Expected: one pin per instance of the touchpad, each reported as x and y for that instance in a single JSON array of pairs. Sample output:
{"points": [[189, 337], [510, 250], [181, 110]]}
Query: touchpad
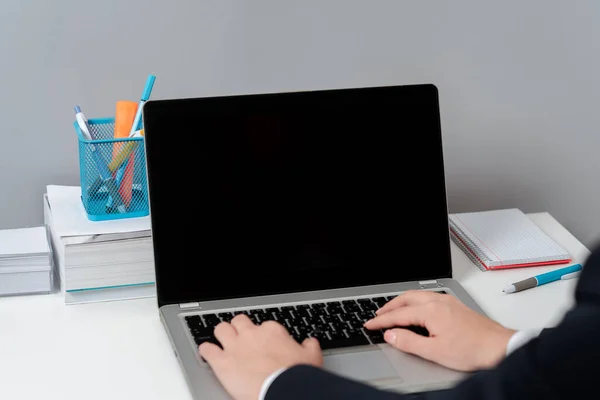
{"points": [[363, 365]]}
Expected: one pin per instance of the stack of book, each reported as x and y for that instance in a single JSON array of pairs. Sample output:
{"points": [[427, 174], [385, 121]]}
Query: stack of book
{"points": [[97, 261], [25, 261]]}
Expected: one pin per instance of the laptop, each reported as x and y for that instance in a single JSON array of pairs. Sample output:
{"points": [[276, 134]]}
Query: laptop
{"points": [[310, 208]]}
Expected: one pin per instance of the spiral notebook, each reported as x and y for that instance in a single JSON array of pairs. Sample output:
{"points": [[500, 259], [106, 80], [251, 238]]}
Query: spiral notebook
{"points": [[505, 238]]}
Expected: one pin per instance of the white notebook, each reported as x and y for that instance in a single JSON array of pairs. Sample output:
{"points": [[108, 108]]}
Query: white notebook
{"points": [[504, 239], [25, 261], [24, 242]]}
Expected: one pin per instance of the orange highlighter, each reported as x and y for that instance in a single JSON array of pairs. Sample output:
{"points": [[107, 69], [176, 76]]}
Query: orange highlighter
{"points": [[124, 117]]}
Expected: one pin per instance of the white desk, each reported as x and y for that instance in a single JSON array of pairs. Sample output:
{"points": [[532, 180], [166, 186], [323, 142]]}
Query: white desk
{"points": [[119, 350]]}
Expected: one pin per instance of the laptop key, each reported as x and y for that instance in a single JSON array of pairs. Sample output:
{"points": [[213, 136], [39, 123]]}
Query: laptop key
{"points": [[211, 339], [369, 307], [350, 306], [334, 307], [268, 316], [336, 335], [320, 326], [318, 311], [226, 317], [338, 326], [351, 332], [364, 316], [375, 337], [287, 324], [257, 316], [379, 301], [278, 317], [297, 322], [303, 331], [354, 322], [201, 339], [342, 313], [211, 320], [287, 309], [193, 321], [303, 311], [201, 328], [318, 334], [346, 342], [291, 330]]}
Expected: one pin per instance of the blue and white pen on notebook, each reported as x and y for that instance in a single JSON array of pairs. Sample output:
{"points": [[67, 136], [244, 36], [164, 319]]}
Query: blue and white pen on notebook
{"points": [[569, 272]]}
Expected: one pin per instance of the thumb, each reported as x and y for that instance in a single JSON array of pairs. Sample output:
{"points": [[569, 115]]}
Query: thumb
{"points": [[409, 342], [211, 353], [312, 345]]}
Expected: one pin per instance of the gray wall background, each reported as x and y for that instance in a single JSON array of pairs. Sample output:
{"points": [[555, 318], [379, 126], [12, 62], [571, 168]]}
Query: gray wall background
{"points": [[519, 82]]}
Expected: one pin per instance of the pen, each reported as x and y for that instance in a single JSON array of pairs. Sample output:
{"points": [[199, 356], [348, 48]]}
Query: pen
{"points": [[570, 272], [145, 96], [83, 124], [106, 177], [136, 123], [137, 120]]}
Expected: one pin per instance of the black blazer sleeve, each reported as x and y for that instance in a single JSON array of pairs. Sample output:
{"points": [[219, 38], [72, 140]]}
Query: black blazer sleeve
{"points": [[561, 363]]}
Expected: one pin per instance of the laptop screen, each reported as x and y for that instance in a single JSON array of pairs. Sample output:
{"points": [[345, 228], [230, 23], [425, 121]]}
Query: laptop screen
{"points": [[275, 193]]}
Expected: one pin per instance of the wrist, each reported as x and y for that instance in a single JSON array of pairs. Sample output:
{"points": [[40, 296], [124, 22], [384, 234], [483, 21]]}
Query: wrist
{"points": [[267, 383], [495, 347], [520, 338]]}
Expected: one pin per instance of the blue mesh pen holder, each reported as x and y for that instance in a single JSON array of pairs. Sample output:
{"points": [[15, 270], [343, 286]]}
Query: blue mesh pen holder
{"points": [[112, 173]]}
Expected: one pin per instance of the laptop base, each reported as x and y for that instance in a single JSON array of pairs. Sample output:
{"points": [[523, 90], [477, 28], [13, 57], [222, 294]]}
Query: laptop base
{"points": [[377, 364]]}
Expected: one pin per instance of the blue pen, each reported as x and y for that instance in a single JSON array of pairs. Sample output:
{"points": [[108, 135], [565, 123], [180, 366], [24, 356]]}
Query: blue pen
{"points": [[137, 122], [107, 178], [570, 272]]}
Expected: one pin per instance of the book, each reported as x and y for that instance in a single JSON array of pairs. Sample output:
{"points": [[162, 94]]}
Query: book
{"points": [[25, 261], [97, 260], [504, 238]]}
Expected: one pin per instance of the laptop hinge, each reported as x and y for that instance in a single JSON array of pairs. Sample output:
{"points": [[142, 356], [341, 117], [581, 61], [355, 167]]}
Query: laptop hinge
{"points": [[189, 305], [429, 282]]}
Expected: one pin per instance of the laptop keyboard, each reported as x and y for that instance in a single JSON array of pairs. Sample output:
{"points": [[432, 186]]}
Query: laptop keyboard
{"points": [[336, 324]]}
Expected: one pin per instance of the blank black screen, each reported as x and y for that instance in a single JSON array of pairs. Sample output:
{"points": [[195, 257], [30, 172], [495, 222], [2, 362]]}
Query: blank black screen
{"points": [[273, 193]]}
